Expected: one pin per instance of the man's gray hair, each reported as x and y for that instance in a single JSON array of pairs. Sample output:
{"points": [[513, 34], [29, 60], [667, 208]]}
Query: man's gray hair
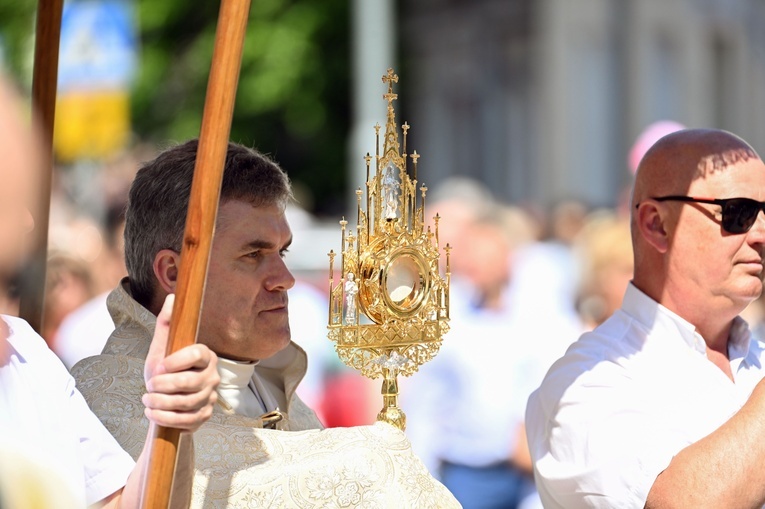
{"points": [[159, 199]]}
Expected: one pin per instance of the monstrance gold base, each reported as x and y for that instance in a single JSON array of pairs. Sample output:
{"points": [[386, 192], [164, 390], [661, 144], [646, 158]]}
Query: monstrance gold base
{"points": [[390, 412]]}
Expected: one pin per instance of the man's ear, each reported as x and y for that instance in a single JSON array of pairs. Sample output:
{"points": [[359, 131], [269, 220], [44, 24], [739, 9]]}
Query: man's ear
{"points": [[166, 269], [651, 222]]}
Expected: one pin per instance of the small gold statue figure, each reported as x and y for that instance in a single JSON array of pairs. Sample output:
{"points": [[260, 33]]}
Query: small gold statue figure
{"points": [[389, 312], [351, 289], [390, 191]]}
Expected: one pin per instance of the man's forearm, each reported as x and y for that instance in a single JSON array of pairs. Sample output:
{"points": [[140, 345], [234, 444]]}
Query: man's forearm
{"points": [[721, 470]]}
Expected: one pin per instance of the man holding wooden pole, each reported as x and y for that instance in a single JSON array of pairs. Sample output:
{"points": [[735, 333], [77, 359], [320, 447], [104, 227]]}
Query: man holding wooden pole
{"points": [[43, 417], [244, 316], [240, 462]]}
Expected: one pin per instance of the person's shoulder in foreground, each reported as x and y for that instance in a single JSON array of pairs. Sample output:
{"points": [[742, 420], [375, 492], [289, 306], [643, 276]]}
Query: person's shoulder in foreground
{"points": [[44, 411], [40, 408], [654, 408]]}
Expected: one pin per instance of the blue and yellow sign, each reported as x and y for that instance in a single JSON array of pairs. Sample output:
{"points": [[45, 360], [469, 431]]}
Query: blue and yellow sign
{"points": [[97, 63]]}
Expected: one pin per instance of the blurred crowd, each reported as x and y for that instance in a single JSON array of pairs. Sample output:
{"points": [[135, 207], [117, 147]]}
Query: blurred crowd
{"points": [[525, 284]]}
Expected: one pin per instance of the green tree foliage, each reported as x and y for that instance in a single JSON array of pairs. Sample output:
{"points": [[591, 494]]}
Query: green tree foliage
{"points": [[16, 37], [293, 96], [293, 99]]}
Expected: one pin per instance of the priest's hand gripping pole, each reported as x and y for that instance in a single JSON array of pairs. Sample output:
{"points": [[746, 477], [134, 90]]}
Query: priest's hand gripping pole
{"points": [[44, 81], [200, 224]]}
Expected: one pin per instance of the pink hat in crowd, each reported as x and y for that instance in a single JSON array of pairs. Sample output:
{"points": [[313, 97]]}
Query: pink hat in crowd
{"points": [[648, 137]]}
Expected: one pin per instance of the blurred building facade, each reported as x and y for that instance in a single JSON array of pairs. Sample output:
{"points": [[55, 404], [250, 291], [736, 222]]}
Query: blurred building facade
{"points": [[541, 99]]}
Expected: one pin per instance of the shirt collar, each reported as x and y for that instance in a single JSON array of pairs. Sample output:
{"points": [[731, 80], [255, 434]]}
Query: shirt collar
{"points": [[234, 374], [651, 314], [8, 339], [740, 340]]}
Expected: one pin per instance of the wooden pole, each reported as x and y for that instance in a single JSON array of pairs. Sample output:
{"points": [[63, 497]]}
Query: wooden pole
{"points": [[44, 81], [200, 223]]}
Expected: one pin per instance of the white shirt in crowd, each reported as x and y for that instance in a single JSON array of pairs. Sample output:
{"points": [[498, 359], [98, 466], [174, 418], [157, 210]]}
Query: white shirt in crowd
{"points": [[625, 399], [84, 332], [42, 412], [466, 405]]}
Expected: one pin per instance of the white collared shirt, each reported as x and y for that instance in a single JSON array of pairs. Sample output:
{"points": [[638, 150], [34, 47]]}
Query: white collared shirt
{"points": [[627, 397], [46, 419]]}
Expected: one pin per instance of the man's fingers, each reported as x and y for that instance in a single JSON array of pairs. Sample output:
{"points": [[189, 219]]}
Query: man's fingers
{"points": [[186, 421], [181, 387], [196, 356], [179, 402], [158, 345], [184, 382], [187, 370], [182, 400]]}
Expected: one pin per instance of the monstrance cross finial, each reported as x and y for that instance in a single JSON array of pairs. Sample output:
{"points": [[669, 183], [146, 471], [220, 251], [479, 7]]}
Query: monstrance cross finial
{"points": [[390, 78]]}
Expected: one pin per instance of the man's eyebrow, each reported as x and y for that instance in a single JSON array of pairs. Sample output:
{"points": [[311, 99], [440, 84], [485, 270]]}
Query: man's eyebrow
{"points": [[264, 244]]}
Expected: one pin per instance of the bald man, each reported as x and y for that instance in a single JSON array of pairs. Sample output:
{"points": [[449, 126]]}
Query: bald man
{"points": [[53, 451], [662, 405]]}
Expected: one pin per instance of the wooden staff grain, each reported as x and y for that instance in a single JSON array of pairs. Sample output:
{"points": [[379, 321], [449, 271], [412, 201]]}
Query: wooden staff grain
{"points": [[44, 81], [200, 223]]}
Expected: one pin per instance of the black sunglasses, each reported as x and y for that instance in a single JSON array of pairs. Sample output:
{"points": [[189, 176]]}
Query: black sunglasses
{"points": [[738, 214]]}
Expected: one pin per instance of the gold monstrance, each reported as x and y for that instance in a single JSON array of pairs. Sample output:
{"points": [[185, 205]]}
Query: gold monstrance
{"points": [[390, 308]]}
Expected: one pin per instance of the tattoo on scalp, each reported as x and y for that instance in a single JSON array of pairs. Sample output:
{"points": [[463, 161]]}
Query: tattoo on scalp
{"points": [[714, 163]]}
